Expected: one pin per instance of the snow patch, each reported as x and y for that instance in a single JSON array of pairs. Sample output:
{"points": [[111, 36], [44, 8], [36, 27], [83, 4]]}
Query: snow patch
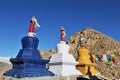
{"points": [[5, 59]]}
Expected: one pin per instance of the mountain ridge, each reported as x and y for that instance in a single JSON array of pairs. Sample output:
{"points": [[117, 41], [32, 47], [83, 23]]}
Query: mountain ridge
{"points": [[96, 42]]}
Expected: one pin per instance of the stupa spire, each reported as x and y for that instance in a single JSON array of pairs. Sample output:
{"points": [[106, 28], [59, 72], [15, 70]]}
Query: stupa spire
{"points": [[82, 43], [33, 24], [63, 34]]}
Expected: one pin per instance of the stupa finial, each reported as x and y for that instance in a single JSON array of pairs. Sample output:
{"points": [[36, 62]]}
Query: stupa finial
{"points": [[82, 42], [33, 23], [63, 34]]}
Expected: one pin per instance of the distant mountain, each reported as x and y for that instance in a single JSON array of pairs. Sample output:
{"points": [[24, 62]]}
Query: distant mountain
{"points": [[5, 60]]}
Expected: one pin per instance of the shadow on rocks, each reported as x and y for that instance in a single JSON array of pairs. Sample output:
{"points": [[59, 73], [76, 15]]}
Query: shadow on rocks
{"points": [[91, 77]]}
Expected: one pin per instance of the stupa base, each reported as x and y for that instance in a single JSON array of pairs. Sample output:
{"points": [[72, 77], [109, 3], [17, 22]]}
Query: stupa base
{"points": [[63, 65], [87, 69], [19, 73]]}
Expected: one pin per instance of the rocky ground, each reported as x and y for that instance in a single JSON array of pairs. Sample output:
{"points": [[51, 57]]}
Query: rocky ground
{"points": [[4, 67], [42, 78], [109, 70]]}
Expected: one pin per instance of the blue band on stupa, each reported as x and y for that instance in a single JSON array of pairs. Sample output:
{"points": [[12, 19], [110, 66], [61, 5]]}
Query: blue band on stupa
{"points": [[30, 42]]}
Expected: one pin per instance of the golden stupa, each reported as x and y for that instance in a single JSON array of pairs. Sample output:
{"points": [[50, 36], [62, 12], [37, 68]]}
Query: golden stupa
{"points": [[85, 65]]}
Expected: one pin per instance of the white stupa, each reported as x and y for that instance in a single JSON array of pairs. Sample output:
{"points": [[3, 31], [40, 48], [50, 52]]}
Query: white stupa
{"points": [[63, 63]]}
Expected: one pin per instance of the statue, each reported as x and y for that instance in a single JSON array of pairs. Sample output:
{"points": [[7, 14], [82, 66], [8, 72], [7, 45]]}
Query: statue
{"points": [[63, 34], [33, 23]]}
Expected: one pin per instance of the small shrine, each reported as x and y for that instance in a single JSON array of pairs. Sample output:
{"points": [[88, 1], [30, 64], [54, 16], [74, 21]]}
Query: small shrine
{"points": [[85, 66], [28, 62], [62, 63]]}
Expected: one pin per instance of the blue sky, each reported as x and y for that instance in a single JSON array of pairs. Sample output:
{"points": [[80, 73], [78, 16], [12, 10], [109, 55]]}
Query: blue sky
{"points": [[73, 15]]}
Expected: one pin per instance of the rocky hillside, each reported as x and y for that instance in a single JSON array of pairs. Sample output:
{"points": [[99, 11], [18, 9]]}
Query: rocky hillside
{"points": [[47, 54], [4, 66], [108, 70], [96, 42]]}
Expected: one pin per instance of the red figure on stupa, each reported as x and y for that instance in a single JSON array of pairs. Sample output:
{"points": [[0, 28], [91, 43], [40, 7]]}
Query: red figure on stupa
{"points": [[63, 34], [33, 23]]}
